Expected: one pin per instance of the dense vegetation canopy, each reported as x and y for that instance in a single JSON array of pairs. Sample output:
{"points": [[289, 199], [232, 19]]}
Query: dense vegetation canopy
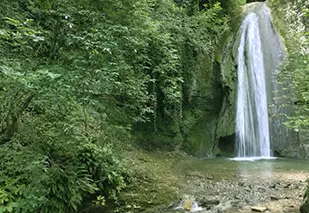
{"points": [[77, 77]]}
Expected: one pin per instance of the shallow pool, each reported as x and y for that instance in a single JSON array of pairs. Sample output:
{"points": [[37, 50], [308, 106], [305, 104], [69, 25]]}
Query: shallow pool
{"points": [[222, 168]]}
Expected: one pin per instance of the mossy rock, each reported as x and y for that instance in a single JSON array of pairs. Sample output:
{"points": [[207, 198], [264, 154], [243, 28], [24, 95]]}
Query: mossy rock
{"points": [[200, 139], [226, 123]]}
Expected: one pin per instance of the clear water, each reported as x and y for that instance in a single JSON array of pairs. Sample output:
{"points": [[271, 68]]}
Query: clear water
{"points": [[223, 178], [224, 168], [252, 128]]}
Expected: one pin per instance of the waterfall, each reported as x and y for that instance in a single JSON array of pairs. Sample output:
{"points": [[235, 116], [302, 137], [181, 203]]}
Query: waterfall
{"points": [[252, 128], [255, 93]]}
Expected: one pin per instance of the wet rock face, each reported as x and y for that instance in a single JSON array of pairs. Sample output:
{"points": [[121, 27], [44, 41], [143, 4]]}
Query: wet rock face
{"points": [[282, 140], [227, 144], [228, 72]]}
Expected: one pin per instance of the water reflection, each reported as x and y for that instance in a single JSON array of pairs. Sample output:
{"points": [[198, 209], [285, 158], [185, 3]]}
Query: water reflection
{"points": [[223, 168], [258, 169]]}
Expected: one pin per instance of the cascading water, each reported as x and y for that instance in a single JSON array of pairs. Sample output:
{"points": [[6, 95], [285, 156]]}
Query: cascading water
{"points": [[252, 128], [255, 54]]}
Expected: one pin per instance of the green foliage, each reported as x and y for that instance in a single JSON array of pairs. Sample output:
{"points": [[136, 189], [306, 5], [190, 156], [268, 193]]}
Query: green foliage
{"points": [[22, 36], [54, 152], [182, 52], [76, 76], [294, 24]]}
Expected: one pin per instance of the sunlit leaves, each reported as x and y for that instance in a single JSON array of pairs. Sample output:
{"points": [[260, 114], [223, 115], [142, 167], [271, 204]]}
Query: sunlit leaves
{"points": [[22, 36]]}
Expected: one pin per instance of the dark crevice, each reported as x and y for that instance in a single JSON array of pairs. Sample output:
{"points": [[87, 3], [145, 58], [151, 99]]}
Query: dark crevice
{"points": [[227, 144]]}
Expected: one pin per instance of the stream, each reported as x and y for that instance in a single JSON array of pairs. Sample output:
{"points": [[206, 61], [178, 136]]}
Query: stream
{"points": [[224, 185]]}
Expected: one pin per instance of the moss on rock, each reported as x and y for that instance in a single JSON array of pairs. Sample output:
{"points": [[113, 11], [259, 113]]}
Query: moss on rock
{"points": [[226, 122], [200, 140]]}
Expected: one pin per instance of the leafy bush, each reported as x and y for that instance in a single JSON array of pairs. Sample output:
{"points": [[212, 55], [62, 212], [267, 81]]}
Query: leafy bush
{"points": [[76, 76], [57, 153]]}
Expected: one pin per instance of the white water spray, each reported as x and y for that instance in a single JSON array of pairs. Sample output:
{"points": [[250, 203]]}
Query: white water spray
{"points": [[252, 128]]}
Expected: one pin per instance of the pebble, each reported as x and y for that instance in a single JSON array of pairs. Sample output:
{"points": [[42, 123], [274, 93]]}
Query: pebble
{"points": [[258, 209]]}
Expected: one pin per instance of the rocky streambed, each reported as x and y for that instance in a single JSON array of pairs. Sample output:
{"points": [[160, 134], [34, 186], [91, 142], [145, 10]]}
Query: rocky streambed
{"points": [[175, 184], [282, 193], [221, 185]]}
